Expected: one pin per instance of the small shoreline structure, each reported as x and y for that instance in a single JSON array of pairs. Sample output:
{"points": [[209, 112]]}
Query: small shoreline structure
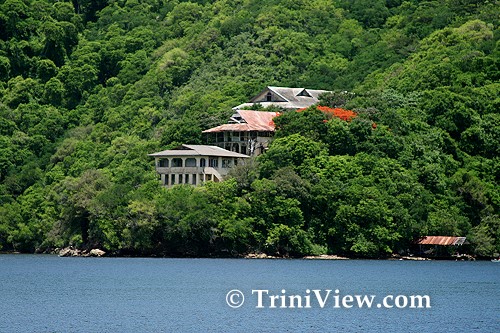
{"points": [[442, 248]]}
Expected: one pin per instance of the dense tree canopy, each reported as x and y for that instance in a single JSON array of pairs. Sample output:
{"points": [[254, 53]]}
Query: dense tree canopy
{"points": [[89, 87]]}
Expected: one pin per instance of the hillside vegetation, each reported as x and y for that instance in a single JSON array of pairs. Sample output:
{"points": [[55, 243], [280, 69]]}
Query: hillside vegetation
{"points": [[89, 87]]}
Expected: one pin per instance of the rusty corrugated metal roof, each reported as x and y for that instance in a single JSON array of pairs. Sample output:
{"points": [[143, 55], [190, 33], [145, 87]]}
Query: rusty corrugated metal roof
{"points": [[441, 240], [251, 121]]}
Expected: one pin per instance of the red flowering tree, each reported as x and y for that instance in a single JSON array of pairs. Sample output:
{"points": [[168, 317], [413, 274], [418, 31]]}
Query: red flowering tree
{"points": [[329, 112]]}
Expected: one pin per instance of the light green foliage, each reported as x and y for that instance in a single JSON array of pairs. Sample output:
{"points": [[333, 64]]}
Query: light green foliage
{"points": [[308, 123], [485, 236], [290, 151]]}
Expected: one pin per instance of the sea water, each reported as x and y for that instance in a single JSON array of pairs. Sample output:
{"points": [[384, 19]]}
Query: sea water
{"points": [[45, 293]]}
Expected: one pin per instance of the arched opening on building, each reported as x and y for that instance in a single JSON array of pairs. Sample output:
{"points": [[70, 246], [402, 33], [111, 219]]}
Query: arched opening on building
{"points": [[177, 162]]}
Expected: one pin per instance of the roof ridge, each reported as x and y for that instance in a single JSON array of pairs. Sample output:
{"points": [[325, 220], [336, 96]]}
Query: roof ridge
{"points": [[277, 93]]}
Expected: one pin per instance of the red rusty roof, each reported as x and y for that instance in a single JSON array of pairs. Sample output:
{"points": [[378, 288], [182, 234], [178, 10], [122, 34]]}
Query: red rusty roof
{"points": [[251, 121], [441, 240]]}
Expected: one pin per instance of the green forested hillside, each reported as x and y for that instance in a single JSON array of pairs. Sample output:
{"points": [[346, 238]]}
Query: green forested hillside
{"points": [[89, 87]]}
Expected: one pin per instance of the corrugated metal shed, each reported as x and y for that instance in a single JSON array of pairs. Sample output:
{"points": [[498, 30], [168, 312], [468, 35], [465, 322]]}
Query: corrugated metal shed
{"points": [[250, 121], [441, 240], [198, 150]]}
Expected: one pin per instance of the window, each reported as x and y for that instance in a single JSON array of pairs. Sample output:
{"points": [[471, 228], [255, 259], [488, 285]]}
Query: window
{"points": [[203, 162], [226, 163], [193, 179], [163, 163], [304, 93], [213, 162], [186, 179], [177, 162], [190, 162], [269, 97], [180, 179], [172, 179], [165, 182]]}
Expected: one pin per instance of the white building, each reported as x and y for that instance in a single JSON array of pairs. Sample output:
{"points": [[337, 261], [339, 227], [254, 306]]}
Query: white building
{"points": [[195, 164]]}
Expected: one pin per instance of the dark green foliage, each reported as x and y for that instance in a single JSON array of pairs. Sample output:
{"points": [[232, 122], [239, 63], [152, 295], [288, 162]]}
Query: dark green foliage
{"points": [[89, 87]]}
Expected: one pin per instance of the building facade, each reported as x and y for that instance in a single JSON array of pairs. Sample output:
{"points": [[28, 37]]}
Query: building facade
{"points": [[247, 132], [195, 164]]}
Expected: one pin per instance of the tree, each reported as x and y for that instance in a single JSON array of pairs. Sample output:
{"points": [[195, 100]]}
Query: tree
{"points": [[291, 151], [77, 200]]}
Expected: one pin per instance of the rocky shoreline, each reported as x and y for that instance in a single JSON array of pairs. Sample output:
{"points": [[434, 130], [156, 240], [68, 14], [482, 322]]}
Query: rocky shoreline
{"points": [[73, 252]]}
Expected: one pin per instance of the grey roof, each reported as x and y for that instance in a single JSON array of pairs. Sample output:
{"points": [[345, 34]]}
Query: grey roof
{"points": [[198, 150], [289, 98]]}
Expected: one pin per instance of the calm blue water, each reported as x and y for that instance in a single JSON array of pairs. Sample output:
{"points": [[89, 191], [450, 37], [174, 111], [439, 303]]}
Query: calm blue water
{"points": [[42, 293]]}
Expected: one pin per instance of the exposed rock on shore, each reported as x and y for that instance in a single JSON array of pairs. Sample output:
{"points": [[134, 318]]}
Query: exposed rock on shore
{"points": [[96, 253], [69, 252], [326, 257], [72, 252], [321, 257], [259, 256], [414, 258]]}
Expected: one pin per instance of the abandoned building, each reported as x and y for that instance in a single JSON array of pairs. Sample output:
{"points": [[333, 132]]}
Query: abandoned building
{"points": [[439, 246], [194, 164], [247, 132]]}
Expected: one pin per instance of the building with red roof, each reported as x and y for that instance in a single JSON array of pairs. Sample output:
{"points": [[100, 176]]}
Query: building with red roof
{"points": [[247, 132]]}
